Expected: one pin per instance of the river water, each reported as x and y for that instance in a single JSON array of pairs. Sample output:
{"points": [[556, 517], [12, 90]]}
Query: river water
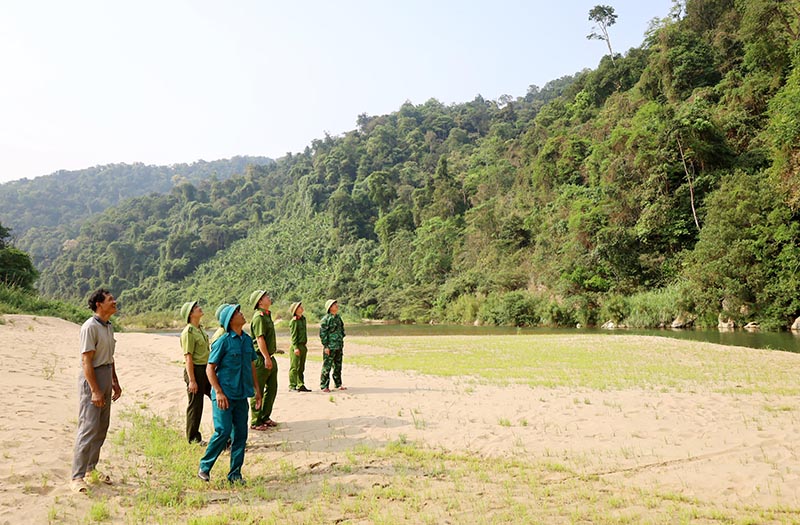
{"points": [[786, 341]]}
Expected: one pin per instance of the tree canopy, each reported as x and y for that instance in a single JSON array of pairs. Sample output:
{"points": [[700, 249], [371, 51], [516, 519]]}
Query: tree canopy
{"points": [[16, 267], [666, 175]]}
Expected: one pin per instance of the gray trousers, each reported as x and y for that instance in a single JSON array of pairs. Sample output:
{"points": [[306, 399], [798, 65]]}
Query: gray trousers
{"points": [[92, 422]]}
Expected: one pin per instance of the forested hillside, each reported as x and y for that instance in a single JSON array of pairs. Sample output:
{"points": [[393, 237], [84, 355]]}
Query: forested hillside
{"points": [[44, 212], [664, 183]]}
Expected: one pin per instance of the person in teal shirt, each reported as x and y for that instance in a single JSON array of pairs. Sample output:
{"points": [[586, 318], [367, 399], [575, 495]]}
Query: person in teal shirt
{"points": [[232, 375]]}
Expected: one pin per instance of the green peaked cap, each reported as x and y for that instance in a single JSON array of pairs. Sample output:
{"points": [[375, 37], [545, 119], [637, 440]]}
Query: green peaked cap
{"points": [[255, 297], [186, 310], [219, 311]]}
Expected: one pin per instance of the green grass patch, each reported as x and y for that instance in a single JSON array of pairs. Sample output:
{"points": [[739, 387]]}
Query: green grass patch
{"points": [[401, 483], [599, 362], [18, 301], [99, 512]]}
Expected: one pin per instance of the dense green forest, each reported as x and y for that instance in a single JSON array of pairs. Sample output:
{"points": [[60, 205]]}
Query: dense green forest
{"points": [[45, 212], [662, 184]]}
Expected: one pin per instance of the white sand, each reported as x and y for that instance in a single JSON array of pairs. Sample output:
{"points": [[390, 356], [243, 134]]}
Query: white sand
{"points": [[734, 448]]}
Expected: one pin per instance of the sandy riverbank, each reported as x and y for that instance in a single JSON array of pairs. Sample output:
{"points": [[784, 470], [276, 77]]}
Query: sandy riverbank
{"points": [[716, 447]]}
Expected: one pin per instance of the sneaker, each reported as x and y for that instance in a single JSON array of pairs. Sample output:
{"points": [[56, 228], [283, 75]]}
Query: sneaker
{"points": [[303, 389], [238, 481], [203, 475]]}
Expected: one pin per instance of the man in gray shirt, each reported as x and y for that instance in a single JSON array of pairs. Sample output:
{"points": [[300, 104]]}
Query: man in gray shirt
{"points": [[97, 387]]}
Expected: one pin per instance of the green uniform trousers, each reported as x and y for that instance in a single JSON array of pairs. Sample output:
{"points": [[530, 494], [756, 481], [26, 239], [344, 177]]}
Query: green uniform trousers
{"points": [[332, 361], [268, 385], [194, 410], [297, 368]]}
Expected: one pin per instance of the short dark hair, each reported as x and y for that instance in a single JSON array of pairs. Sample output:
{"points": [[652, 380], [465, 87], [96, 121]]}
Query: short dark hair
{"points": [[98, 296]]}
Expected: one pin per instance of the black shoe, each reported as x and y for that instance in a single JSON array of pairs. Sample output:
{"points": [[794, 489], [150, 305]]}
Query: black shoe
{"points": [[204, 476], [303, 389]]}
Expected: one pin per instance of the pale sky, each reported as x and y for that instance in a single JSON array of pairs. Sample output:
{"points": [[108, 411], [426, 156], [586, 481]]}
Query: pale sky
{"points": [[90, 82]]}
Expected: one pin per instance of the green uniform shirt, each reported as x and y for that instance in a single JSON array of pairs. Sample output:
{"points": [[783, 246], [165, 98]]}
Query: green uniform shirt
{"points": [[298, 332], [194, 341], [331, 331], [262, 325]]}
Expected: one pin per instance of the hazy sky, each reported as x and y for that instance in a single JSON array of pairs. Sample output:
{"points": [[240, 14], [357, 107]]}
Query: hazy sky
{"points": [[96, 82]]}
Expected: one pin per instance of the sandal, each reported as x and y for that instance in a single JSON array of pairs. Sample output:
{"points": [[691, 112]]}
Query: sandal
{"points": [[79, 486], [97, 477], [262, 427], [271, 423]]}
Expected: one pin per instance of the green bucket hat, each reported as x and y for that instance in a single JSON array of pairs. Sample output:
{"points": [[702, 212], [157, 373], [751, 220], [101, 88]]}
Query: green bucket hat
{"points": [[294, 307], [186, 310], [328, 304], [255, 297], [219, 311], [226, 314]]}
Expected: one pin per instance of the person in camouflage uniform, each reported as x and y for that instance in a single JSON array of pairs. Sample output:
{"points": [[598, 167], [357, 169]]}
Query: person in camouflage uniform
{"points": [[331, 332], [299, 350], [264, 343]]}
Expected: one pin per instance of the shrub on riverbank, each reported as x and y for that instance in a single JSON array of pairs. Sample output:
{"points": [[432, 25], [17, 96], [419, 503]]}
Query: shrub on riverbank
{"points": [[14, 300], [654, 308]]}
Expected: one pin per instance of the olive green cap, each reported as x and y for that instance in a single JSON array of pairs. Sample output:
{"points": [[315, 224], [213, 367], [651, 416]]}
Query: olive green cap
{"points": [[219, 310], [186, 310], [328, 304], [255, 297]]}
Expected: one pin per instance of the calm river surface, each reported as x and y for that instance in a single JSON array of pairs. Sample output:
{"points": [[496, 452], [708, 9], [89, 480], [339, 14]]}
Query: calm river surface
{"points": [[786, 341]]}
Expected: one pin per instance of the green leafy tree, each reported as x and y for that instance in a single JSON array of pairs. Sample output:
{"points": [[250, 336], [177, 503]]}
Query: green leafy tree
{"points": [[604, 17], [16, 267]]}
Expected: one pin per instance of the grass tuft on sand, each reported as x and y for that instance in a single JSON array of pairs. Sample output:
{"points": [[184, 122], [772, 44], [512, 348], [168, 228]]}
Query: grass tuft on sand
{"points": [[403, 482]]}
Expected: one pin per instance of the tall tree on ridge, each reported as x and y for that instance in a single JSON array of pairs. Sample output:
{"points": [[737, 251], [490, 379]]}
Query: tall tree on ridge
{"points": [[604, 17]]}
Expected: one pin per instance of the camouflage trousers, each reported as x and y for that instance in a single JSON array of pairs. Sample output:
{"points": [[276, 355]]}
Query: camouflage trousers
{"points": [[332, 361]]}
